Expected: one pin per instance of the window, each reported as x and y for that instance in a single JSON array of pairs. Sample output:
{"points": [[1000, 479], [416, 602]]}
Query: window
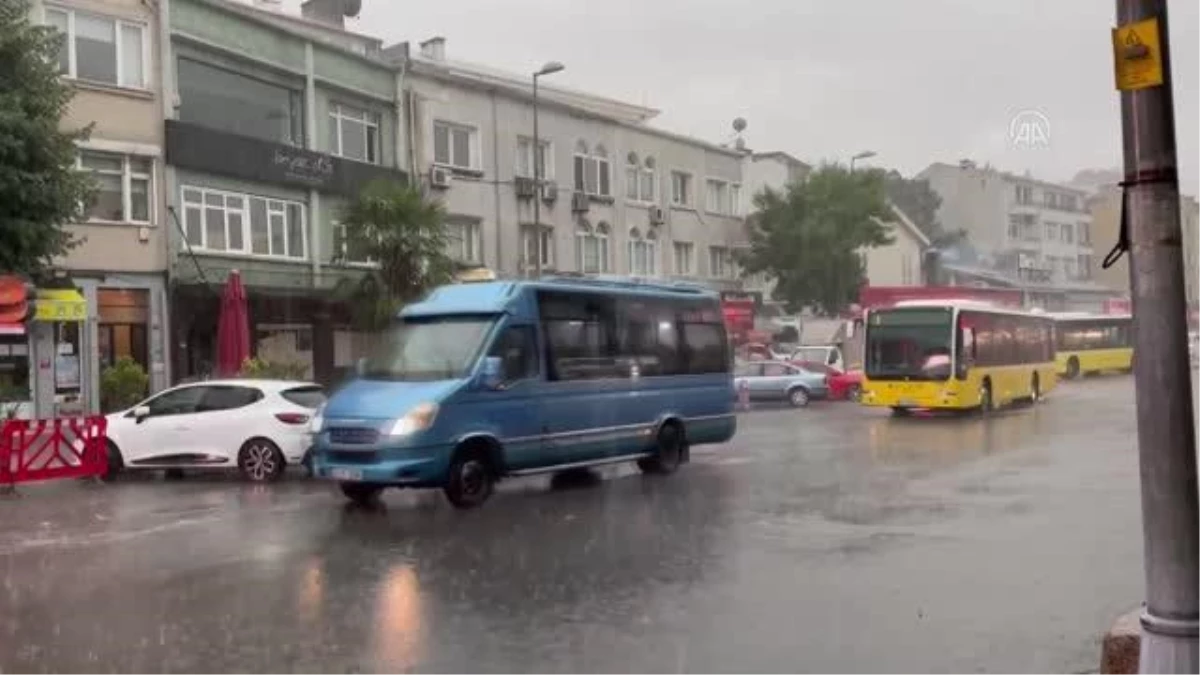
{"points": [[1014, 226], [529, 247], [122, 186], [1051, 231], [312, 397], [1068, 203], [463, 242], [1085, 266], [591, 249], [525, 164], [1024, 194], [722, 197], [643, 253], [720, 262], [233, 102], [640, 179], [1068, 233], [176, 401], [100, 49], [454, 145], [517, 352], [350, 249], [580, 330], [354, 133], [681, 188], [592, 173], [685, 258], [1085, 234], [1051, 200], [227, 397], [215, 220]]}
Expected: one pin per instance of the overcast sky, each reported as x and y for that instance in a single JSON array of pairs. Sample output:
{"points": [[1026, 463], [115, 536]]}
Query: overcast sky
{"points": [[916, 81]]}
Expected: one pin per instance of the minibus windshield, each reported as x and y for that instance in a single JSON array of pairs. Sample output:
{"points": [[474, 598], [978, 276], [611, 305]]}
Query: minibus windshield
{"points": [[428, 348]]}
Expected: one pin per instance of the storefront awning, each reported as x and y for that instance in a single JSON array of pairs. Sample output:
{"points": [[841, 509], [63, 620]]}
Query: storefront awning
{"points": [[60, 304]]}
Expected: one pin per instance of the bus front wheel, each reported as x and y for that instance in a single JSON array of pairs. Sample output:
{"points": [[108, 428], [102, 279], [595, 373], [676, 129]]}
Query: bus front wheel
{"points": [[1072, 368], [986, 404]]}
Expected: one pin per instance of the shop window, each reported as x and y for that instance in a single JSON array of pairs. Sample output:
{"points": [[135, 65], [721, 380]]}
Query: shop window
{"points": [[124, 323]]}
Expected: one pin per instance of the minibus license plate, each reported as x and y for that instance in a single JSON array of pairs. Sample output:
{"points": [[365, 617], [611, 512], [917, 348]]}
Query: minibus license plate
{"points": [[346, 474]]}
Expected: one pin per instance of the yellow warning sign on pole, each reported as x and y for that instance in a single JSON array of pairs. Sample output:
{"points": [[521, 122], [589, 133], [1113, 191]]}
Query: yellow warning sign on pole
{"points": [[1137, 55]]}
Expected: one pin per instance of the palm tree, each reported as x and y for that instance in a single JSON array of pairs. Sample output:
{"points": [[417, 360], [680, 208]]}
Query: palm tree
{"points": [[396, 227]]}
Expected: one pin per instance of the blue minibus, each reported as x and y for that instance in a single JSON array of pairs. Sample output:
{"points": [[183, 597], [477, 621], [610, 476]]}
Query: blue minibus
{"points": [[479, 381]]}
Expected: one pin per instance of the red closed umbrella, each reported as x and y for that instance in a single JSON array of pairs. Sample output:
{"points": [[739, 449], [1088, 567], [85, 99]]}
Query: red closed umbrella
{"points": [[233, 328]]}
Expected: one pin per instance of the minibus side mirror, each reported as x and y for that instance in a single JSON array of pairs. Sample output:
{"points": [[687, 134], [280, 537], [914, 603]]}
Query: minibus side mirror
{"points": [[491, 376]]}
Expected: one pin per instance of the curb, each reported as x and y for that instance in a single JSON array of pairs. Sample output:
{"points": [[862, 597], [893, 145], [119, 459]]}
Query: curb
{"points": [[1122, 645]]}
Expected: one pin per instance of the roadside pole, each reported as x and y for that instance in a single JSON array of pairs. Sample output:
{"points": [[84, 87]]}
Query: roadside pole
{"points": [[1166, 429]]}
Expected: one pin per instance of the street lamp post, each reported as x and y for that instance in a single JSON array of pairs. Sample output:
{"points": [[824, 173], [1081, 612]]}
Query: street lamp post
{"points": [[550, 67], [1166, 431], [865, 154]]}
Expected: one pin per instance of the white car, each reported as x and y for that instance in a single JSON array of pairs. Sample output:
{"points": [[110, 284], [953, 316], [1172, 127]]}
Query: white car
{"points": [[259, 426]]}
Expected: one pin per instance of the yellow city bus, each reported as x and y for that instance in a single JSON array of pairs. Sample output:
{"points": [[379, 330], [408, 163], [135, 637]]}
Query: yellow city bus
{"points": [[1093, 343], [956, 355]]}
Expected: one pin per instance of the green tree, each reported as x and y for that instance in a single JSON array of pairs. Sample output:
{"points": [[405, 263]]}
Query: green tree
{"points": [[809, 236], [40, 189], [397, 227], [122, 385]]}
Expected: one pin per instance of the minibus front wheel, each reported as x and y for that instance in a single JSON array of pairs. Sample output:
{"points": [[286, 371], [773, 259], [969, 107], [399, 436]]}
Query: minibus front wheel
{"points": [[471, 478]]}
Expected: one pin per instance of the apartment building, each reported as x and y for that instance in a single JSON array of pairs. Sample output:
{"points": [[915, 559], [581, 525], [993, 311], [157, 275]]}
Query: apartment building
{"points": [[1105, 208], [1032, 231], [619, 196], [276, 121], [109, 54]]}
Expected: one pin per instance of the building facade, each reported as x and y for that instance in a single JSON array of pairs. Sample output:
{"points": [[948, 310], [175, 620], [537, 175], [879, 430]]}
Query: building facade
{"points": [[618, 196], [1032, 230], [277, 120], [110, 54]]}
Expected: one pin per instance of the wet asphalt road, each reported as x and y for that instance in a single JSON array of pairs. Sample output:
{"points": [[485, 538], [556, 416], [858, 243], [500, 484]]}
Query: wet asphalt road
{"points": [[828, 539]]}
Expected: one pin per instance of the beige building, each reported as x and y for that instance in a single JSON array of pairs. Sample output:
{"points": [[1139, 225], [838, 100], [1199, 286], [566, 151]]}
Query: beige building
{"points": [[898, 263], [1105, 207], [110, 55]]}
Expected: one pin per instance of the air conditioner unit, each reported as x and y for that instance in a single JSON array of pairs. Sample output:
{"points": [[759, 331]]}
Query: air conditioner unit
{"points": [[439, 177], [658, 216], [580, 202], [525, 187], [549, 192]]}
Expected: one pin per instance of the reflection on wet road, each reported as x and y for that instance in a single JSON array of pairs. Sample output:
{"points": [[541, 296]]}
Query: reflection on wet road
{"points": [[832, 538]]}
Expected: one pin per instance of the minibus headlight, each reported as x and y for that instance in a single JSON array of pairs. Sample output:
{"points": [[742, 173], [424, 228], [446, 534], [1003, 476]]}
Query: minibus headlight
{"points": [[419, 418]]}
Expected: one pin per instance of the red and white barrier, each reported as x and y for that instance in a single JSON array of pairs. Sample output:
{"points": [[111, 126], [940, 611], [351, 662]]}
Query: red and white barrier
{"points": [[38, 450]]}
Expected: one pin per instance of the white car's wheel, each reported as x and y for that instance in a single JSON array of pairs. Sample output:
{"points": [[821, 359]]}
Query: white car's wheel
{"points": [[261, 461]]}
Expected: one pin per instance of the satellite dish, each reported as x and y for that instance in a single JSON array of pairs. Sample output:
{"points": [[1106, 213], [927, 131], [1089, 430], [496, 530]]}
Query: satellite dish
{"points": [[351, 7], [739, 124]]}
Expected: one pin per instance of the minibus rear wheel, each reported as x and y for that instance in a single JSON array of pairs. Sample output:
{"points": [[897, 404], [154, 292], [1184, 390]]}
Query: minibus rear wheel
{"points": [[669, 451]]}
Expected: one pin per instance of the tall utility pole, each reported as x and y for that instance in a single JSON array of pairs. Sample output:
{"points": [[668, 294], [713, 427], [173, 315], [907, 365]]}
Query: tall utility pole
{"points": [[1166, 429], [538, 169]]}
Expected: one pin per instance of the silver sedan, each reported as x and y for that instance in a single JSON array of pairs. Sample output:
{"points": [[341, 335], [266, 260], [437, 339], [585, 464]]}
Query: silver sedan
{"points": [[780, 381]]}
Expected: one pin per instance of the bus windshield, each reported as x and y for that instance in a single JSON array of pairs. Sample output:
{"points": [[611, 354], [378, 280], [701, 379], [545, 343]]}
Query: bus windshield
{"points": [[424, 349], [909, 344]]}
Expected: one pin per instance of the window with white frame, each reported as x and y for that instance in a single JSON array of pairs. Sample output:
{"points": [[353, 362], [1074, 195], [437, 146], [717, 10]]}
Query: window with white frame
{"points": [[681, 188], [643, 253], [592, 171], [685, 258], [231, 222], [354, 133], [463, 241], [98, 48], [529, 247], [1085, 234], [640, 181], [123, 186], [454, 145], [525, 166], [720, 262], [1068, 233], [351, 249], [722, 197], [591, 249]]}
